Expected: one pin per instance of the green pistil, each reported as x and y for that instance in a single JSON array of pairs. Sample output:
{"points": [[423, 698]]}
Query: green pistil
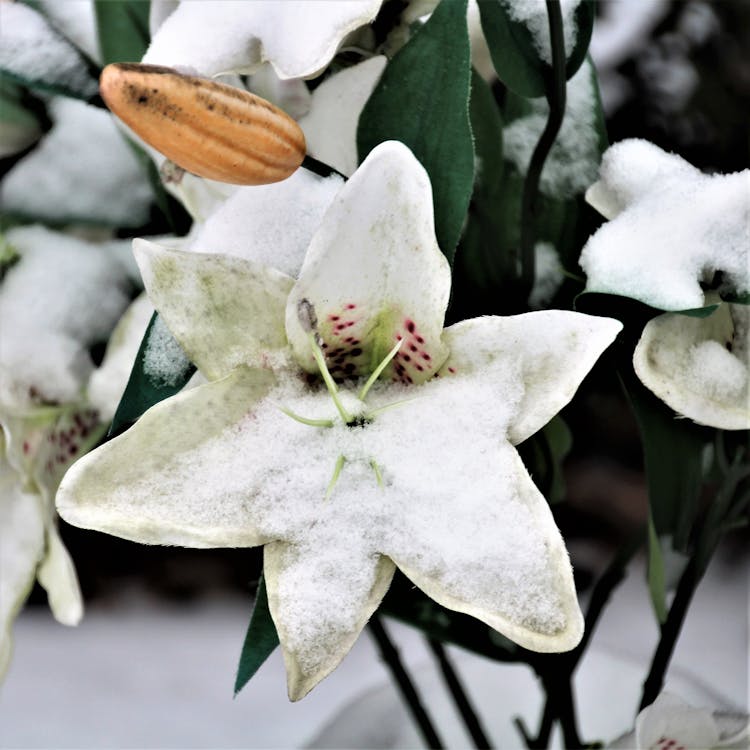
{"points": [[304, 420], [328, 380], [376, 374], [387, 407], [336, 474], [378, 475]]}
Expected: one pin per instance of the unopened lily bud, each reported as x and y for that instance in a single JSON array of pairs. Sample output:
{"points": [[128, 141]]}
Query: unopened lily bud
{"points": [[207, 128]]}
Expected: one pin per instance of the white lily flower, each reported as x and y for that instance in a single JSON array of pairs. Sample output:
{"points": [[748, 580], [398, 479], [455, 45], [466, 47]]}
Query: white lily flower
{"points": [[60, 296], [700, 367], [670, 228], [408, 461], [670, 723], [298, 37]]}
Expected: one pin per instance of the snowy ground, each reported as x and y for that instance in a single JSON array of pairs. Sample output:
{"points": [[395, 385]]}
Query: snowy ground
{"points": [[141, 674]]}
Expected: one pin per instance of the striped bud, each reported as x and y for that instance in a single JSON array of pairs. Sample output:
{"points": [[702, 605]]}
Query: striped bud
{"points": [[207, 128]]}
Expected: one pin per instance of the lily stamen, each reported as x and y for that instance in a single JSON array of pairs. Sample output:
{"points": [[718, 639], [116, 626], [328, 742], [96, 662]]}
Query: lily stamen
{"points": [[305, 420], [379, 369], [336, 474], [328, 380]]}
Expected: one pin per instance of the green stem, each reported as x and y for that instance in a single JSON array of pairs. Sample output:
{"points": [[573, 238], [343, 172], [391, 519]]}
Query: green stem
{"points": [[556, 98], [406, 687], [460, 698]]}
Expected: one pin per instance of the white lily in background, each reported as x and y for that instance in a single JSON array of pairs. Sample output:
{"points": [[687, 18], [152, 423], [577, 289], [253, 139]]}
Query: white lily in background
{"points": [[700, 367], [408, 461], [670, 723], [59, 297], [670, 227], [298, 37]]}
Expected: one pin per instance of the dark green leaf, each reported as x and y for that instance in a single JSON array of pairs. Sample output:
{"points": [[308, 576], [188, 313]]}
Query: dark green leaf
{"points": [[514, 55], [143, 391], [260, 642], [123, 29], [737, 299], [656, 578], [422, 100]]}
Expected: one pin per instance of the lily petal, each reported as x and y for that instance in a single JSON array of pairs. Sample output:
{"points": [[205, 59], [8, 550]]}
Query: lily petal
{"points": [[548, 352], [700, 367], [298, 37], [330, 127], [353, 584], [669, 717], [224, 311], [149, 484], [374, 274], [58, 576]]}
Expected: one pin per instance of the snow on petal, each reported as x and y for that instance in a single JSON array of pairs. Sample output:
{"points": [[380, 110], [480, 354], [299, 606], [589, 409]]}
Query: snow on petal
{"points": [[547, 354], [700, 367], [330, 127], [321, 595], [77, 20], [269, 224], [224, 311], [62, 296], [374, 274], [82, 170], [149, 483], [298, 37], [672, 228]]}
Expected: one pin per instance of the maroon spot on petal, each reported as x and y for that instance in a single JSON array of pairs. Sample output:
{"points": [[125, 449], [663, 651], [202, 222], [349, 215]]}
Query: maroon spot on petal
{"points": [[426, 356], [398, 336], [324, 345], [355, 352], [406, 357], [354, 342], [412, 348], [26, 446], [85, 432], [350, 306], [409, 325], [73, 449], [408, 379], [350, 324], [334, 318], [420, 340], [420, 368], [452, 369], [350, 368]]}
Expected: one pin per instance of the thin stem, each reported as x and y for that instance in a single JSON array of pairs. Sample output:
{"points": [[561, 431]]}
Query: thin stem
{"points": [[556, 98], [328, 380], [336, 474], [375, 375], [390, 406], [305, 420], [390, 656], [378, 474], [460, 698], [320, 168]]}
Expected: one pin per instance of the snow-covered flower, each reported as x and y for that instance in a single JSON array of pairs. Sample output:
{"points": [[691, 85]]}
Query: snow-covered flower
{"points": [[346, 431], [700, 367], [297, 37], [670, 228], [59, 296], [670, 723]]}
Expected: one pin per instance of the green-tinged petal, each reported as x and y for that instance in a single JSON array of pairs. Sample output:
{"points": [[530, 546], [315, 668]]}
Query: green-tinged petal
{"points": [[495, 555], [108, 382], [22, 519], [298, 37], [224, 311], [332, 577], [374, 274], [700, 367], [547, 353], [58, 576], [330, 127], [156, 483]]}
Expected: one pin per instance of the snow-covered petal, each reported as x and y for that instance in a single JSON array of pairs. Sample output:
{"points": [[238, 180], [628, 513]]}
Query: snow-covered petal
{"points": [[82, 170], [547, 352], [224, 311], [515, 575], [58, 577], [144, 484], [374, 274], [330, 127], [21, 547], [700, 367], [108, 381], [672, 228], [671, 718], [345, 581], [269, 224], [298, 37], [62, 296]]}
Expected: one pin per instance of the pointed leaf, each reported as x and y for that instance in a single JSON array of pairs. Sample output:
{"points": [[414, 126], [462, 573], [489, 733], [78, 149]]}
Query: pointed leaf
{"points": [[656, 578], [123, 29], [517, 59], [261, 639], [425, 106]]}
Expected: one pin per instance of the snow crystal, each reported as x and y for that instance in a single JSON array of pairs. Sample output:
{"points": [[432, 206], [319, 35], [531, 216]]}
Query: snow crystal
{"points": [[62, 296], [269, 224], [672, 228], [330, 128], [83, 170], [34, 51], [164, 362], [533, 13], [572, 163], [548, 275]]}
